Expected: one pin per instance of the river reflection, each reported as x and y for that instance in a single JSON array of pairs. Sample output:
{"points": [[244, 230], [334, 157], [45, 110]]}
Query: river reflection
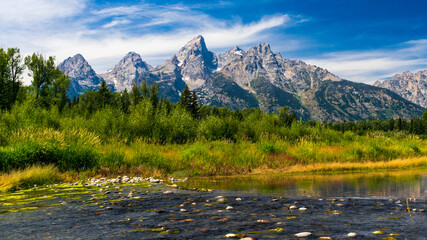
{"points": [[408, 184]]}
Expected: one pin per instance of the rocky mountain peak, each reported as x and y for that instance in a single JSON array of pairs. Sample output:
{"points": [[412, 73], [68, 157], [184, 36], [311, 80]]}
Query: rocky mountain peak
{"points": [[132, 61], [258, 78], [76, 66], [261, 50], [237, 50], [130, 70], [232, 55], [78, 57], [196, 62], [376, 83], [82, 76], [411, 86]]}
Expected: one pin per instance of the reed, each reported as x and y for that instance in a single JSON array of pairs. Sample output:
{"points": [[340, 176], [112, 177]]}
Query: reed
{"points": [[32, 176]]}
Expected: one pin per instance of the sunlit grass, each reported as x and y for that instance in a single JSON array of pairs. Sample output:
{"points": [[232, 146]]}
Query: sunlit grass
{"points": [[34, 175], [88, 154], [397, 164]]}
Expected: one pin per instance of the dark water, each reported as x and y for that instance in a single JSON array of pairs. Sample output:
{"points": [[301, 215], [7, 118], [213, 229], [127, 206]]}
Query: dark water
{"points": [[373, 205], [410, 184]]}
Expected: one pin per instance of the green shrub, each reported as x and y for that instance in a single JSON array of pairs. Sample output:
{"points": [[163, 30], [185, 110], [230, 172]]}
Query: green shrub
{"points": [[113, 161], [151, 160]]}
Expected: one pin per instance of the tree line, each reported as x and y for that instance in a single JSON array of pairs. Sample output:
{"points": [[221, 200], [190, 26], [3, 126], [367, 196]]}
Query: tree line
{"points": [[49, 87]]}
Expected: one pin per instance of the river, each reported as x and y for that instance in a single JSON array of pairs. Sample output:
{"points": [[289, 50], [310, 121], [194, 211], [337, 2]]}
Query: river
{"points": [[385, 205]]}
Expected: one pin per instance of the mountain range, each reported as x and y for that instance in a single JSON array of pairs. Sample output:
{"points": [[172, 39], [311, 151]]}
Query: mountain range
{"points": [[411, 86], [240, 79]]}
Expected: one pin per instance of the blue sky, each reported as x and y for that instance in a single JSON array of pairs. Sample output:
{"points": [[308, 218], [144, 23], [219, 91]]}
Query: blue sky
{"points": [[359, 40]]}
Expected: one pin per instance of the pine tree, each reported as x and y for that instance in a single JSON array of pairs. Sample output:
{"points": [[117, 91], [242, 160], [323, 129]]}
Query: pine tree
{"points": [[125, 101], [194, 104], [135, 95], [186, 97], [287, 116], [103, 95], [154, 91], [391, 124], [189, 101], [399, 124], [144, 89]]}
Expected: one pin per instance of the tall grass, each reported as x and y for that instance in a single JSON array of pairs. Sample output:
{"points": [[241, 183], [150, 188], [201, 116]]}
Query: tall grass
{"points": [[31, 176], [81, 150], [147, 141]]}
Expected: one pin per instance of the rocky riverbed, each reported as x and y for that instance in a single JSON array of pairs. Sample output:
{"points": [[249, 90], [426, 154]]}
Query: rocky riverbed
{"points": [[138, 208]]}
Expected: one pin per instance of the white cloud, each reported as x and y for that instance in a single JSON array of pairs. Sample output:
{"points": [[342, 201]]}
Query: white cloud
{"points": [[122, 10], [153, 46], [243, 34], [370, 66], [30, 12], [116, 22], [104, 36]]}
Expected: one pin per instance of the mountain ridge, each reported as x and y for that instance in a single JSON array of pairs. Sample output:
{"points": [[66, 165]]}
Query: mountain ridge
{"points": [[411, 86], [261, 78]]}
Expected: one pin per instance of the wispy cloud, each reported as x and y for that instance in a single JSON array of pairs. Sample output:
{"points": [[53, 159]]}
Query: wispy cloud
{"points": [[116, 22], [157, 47], [115, 11], [22, 13], [105, 35], [370, 66]]}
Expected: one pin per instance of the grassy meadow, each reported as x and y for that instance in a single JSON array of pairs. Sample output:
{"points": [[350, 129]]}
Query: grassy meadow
{"points": [[39, 145]]}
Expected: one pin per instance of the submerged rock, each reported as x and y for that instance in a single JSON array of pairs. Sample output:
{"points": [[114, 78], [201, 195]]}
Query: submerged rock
{"points": [[230, 235], [303, 234]]}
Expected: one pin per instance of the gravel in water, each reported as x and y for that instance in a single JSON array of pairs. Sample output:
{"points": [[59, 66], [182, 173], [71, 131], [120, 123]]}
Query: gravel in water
{"points": [[156, 212]]}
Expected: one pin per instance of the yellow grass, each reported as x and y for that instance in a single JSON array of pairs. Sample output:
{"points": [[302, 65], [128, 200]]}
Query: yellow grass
{"points": [[31, 176], [413, 162]]}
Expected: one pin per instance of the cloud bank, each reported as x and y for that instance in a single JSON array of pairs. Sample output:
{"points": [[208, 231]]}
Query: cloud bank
{"points": [[104, 35], [370, 66]]}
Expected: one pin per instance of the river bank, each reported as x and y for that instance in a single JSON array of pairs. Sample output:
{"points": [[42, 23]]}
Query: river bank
{"points": [[39, 175]]}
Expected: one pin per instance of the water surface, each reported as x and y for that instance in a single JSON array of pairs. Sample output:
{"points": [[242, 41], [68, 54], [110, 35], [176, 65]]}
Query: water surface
{"points": [[409, 183], [373, 205]]}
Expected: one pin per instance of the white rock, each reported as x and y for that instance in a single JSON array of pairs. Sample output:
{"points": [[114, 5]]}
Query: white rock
{"points": [[293, 207], [230, 235], [302, 209], [229, 208], [183, 210], [303, 234], [167, 192], [352, 234], [238, 199]]}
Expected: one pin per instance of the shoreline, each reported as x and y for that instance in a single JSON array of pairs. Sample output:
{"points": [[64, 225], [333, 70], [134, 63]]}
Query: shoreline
{"points": [[40, 175]]}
